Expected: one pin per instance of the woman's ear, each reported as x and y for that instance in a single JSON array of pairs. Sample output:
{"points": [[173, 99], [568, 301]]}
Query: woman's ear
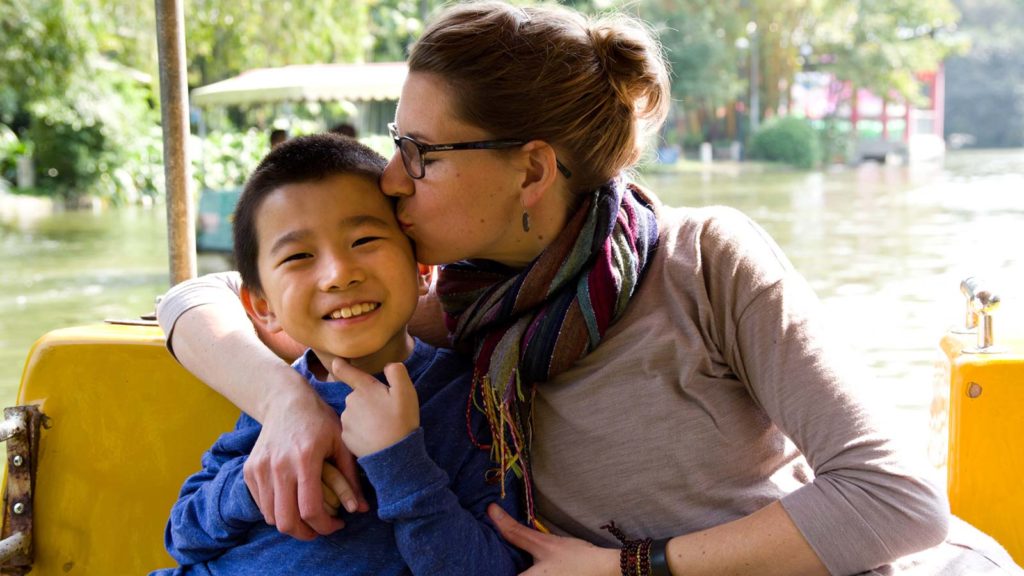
{"points": [[426, 278], [541, 172], [259, 310]]}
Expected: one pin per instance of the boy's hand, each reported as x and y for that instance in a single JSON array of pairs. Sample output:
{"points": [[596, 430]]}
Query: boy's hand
{"points": [[376, 415], [284, 470], [332, 483]]}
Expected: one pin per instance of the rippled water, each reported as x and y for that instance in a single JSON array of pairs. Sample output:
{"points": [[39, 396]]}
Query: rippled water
{"points": [[885, 247]]}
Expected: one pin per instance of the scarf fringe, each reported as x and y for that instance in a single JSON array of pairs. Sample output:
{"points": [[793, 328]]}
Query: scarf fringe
{"points": [[544, 318]]}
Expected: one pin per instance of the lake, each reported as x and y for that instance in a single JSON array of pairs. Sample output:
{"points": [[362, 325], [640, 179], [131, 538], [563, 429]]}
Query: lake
{"points": [[885, 247]]}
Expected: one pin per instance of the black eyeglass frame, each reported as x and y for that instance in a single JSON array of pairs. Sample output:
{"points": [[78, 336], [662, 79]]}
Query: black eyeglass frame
{"points": [[423, 149]]}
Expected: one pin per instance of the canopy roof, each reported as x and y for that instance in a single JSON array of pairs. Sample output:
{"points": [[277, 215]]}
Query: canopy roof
{"points": [[305, 82]]}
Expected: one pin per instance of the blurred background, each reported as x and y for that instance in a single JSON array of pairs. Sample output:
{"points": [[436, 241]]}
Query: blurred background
{"points": [[880, 142]]}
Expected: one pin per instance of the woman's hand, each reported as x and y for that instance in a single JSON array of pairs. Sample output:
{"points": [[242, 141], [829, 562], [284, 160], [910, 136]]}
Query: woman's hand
{"points": [[376, 415], [285, 468], [555, 555]]}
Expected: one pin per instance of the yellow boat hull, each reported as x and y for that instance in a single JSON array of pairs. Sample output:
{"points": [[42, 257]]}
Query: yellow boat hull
{"points": [[100, 507], [985, 459]]}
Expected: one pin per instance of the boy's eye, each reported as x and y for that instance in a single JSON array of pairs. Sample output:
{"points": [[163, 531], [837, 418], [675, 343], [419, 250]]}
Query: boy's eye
{"points": [[365, 240], [296, 256]]}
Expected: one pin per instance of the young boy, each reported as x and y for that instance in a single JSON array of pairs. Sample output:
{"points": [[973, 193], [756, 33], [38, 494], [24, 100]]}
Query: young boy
{"points": [[321, 257]]}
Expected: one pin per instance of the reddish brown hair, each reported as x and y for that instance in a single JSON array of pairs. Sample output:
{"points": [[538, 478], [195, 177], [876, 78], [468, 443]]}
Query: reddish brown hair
{"points": [[592, 88]]}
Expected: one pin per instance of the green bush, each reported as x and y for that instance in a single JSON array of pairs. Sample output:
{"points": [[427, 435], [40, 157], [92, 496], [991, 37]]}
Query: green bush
{"points": [[836, 140], [790, 140], [68, 158], [225, 159], [88, 141]]}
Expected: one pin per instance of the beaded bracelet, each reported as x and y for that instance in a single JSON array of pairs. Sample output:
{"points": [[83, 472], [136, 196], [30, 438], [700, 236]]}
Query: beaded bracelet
{"points": [[635, 556]]}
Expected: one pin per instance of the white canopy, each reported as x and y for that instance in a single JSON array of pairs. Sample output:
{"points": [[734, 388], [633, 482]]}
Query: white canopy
{"points": [[306, 82]]}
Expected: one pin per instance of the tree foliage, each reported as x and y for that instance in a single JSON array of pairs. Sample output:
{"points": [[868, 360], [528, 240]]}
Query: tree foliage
{"points": [[41, 53], [79, 75], [985, 87], [67, 93], [874, 44], [699, 41], [881, 44], [225, 38]]}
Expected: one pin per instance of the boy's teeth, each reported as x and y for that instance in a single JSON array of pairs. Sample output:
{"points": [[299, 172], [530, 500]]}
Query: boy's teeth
{"points": [[354, 310]]}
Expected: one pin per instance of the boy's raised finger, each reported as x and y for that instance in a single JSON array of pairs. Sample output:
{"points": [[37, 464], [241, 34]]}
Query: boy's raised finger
{"points": [[398, 379], [354, 377]]}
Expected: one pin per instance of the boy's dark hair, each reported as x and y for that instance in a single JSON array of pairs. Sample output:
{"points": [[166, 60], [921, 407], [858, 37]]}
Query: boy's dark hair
{"points": [[302, 159]]}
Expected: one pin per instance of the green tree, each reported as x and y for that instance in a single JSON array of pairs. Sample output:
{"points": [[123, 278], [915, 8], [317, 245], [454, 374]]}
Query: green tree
{"points": [[395, 24], [41, 52], [700, 43], [66, 93], [985, 86], [875, 44], [225, 38], [880, 44]]}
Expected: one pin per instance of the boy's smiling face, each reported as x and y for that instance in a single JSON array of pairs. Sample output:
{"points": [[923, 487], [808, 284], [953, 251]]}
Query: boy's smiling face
{"points": [[338, 275]]}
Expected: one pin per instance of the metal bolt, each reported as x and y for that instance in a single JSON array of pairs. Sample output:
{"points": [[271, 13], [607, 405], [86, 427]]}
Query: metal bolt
{"points": [[17, 460], [18, 508], [974, 390]]}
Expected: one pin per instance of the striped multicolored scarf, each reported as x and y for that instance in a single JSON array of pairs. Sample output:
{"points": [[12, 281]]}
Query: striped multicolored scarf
{"points": [[524, 327]]}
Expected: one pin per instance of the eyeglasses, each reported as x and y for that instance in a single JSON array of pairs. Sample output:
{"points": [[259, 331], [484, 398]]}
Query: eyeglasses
{"points": [[412, 151]]}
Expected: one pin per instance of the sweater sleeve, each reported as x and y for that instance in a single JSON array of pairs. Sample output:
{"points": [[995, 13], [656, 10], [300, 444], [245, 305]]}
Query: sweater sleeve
{"points": [[220, 289], [441, 527], [214, 511], [866, 505]]}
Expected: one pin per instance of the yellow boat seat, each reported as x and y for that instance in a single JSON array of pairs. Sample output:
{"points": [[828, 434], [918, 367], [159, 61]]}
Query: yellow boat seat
{"points": [[980, 397], [126, 425]]}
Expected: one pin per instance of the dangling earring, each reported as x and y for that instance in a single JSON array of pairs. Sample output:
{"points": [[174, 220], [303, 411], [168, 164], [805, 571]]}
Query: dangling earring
{"points": [[526, 221]]}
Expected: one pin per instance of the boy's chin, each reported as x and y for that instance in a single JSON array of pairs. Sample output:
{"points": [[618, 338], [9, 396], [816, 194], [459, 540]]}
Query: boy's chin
{"points": [[327, 357]]}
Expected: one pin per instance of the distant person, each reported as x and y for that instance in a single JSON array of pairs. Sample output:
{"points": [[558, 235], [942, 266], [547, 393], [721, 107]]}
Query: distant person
{"points": [[277, 137], [344, 129], [322, 256]]}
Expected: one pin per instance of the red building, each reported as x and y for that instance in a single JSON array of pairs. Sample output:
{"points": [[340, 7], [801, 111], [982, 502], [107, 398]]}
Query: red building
{"points": [[884, 126]]}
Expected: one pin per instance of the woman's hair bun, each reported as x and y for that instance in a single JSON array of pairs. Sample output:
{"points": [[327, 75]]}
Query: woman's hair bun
{"points": [[596, 89], [633, 64]]}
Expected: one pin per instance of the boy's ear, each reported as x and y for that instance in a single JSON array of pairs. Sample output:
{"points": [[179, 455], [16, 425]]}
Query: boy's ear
{"points": [[426, 278], [259, 310]]}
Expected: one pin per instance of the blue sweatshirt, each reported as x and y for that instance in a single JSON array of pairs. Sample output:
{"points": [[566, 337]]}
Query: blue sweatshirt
{"points": [[428, 497]]}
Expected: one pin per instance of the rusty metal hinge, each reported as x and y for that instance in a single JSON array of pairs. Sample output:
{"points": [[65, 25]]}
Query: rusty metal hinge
{"points": [[20, 429]]}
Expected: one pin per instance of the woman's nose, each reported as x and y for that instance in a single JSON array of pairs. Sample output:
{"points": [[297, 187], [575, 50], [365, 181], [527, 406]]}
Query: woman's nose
{"points": [[394, 181]]}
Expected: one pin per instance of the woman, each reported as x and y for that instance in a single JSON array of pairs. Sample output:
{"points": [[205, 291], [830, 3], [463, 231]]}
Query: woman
{"points": [[672, 363]]}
